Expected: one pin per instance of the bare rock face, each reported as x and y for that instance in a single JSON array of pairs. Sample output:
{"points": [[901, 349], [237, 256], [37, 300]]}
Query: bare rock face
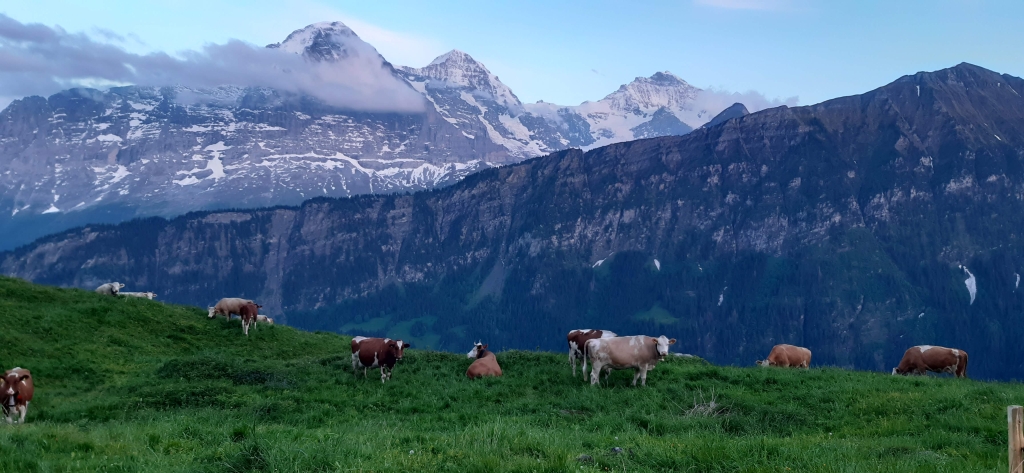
{"points": [[840, 227]]}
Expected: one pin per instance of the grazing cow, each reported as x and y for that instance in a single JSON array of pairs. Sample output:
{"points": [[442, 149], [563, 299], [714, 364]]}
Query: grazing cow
{"points": [[227, 307], [787, 356], [578, 338], [15, 392], [486, 363], [639, 352], [924, 358], [110, 288], [248, 312], [147, 295], [265, 319], [376, 352]]}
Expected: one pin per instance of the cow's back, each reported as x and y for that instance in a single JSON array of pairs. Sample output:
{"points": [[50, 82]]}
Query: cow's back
{"points": [[790, 356], [629, 351], [485, 366], [369, 351]]}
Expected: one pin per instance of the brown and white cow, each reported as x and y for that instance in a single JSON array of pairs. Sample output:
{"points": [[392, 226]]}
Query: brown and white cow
{"points": [[578, 338], [380, 353], [486, 363], [227, 307], [924, 358], [639, 352], [787, 356], [249, 313], [15, 393]]}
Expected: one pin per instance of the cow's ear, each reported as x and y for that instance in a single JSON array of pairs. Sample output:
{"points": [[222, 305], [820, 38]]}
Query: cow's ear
{"points": [[23, 378], [406, 345], [485, 346], [671, 341]]}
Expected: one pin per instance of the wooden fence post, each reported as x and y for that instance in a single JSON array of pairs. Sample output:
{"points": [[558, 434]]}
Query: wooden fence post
{"points": [[1015, 420]]}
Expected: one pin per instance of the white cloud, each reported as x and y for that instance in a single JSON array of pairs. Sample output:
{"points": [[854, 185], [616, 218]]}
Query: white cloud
{"points": [[39, 60], [399, 48]]}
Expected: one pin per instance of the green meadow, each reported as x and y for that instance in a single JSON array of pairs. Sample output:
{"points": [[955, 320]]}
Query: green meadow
{"points": [[126, 384]]}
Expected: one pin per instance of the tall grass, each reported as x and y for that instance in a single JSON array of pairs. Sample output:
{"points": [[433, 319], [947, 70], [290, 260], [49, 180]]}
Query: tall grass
{"points": [[136, 385]]}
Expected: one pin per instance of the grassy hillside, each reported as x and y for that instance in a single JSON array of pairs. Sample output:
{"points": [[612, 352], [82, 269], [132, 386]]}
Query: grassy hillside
{"points": [[136, 385]]}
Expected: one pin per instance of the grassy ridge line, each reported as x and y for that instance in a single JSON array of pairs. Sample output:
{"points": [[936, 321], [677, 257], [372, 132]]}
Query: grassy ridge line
{"points": [[135, 385]]}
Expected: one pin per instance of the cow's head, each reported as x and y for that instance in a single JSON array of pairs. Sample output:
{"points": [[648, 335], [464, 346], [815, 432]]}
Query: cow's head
{"points": [[152, 295], [391, 350], [477, 351], [663, 343], [11, 384], [270, 321], [210, 314], [896, 371], [762, 363], [401, 348]]}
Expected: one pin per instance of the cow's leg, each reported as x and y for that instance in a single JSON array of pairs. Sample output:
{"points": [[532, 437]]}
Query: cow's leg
{"points": [[24, 410], [355, 364], [595, 373], [643, 377], [636, 375], [572, 361], [383, 374]]}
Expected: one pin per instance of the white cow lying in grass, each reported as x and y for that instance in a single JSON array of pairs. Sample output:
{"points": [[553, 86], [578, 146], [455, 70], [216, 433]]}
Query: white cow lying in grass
{"points": [[147, 295], [264, 319], [110, 288]]}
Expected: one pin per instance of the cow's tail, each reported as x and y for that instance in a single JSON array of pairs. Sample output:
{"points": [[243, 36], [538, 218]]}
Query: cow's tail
{"points": [[586, 358], [961, 367]]}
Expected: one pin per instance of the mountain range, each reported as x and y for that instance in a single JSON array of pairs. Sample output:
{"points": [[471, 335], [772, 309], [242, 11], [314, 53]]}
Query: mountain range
{"points": [[857, 227], [89, 156]]}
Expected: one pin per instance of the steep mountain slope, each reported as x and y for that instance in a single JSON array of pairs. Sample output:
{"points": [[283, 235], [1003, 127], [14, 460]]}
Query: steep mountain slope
{"points": [[856, 227], [735, 110]]}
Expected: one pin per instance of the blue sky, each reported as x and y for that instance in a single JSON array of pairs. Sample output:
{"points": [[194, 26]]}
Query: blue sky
{"points": [[568, 52]]}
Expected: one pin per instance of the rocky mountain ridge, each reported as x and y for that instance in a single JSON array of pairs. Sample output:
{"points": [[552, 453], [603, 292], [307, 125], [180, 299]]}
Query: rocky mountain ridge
{"points": [[857, 227], [89, 156]]}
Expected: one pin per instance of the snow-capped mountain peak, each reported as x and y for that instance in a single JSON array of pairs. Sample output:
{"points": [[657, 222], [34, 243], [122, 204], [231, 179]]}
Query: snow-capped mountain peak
{"points": [[327, 41], [648, 94], [458, 69]]}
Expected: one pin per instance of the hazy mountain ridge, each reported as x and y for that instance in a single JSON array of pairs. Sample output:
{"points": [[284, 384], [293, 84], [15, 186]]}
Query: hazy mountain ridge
{"points": [[845, 227]]}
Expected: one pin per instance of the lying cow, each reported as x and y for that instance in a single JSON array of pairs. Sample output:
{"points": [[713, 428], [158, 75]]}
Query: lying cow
{"points": [[639, 352], [249, 313], [486, 363], [923, 358], [15, 393], [380, 353], [146, 295], [227, 307], [265, 319], [787, 356], [578, 338], [110, 288]]}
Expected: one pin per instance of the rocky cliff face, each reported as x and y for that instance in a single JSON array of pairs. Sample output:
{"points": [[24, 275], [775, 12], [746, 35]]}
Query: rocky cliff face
{"points": [[857, 227]]}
